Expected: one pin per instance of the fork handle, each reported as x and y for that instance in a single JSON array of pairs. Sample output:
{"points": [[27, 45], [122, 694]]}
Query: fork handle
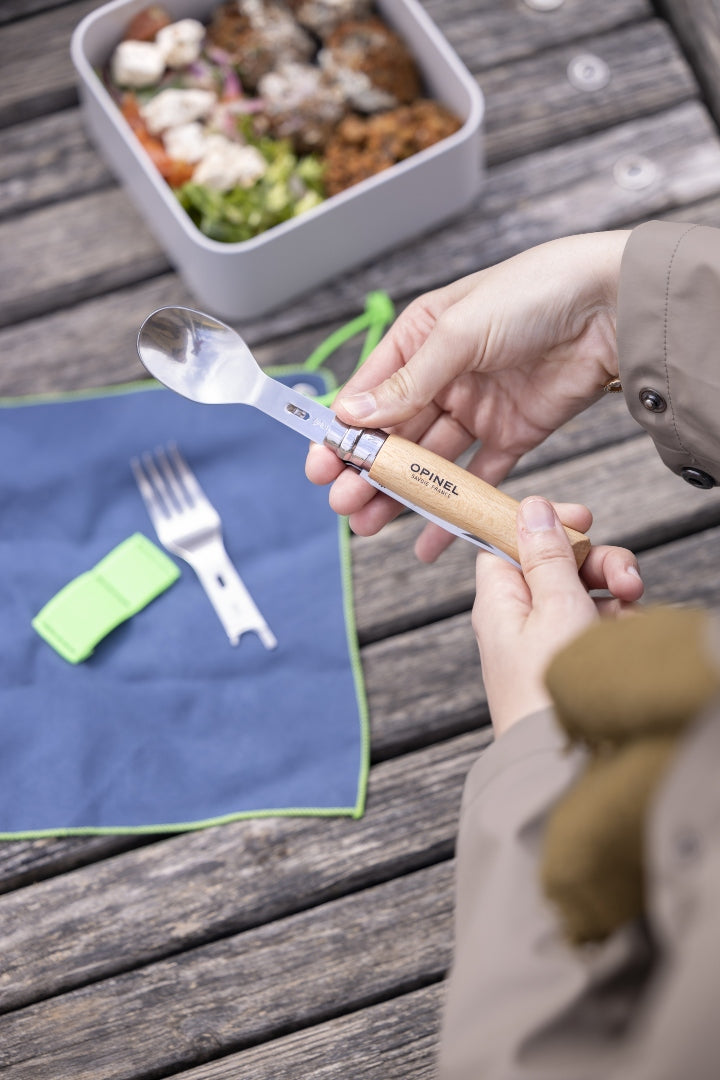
{"points": [[229, 595]]}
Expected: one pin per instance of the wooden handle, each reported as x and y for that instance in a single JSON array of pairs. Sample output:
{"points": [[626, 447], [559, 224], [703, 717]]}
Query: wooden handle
{"points": [[455, 495]]}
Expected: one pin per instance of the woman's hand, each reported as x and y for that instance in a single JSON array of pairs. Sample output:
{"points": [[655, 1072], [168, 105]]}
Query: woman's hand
{"points": [[523, 617], [504, 356]]}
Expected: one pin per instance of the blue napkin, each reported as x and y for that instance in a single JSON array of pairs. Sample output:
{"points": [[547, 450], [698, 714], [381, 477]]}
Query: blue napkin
{"points": [[167, 726]]}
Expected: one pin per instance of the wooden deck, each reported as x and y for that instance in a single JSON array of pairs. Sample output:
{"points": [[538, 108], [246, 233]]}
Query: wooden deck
{"points": [[302, 948]]}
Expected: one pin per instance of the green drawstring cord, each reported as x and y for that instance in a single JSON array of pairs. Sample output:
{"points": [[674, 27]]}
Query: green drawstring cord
{"points": [[379, 312]]}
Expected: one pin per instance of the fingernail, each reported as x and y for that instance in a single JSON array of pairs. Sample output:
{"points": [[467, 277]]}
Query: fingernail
{"points": [[634, 571], [359, 405], [538, 516]]}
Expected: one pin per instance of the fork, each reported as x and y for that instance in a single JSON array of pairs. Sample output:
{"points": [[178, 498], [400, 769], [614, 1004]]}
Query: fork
{"points": [[189, 526]]}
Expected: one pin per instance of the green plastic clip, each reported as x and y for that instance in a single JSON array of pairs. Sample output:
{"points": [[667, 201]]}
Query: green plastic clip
{"points": [[93, 604]]}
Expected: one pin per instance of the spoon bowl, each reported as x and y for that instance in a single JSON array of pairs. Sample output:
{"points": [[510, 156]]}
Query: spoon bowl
{"points": [[199, 357]]}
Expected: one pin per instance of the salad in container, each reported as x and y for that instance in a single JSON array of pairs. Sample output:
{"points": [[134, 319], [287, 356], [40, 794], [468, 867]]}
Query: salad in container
{"points": [[264, 110]]}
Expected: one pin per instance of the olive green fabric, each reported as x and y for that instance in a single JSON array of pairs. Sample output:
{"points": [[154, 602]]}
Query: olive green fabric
{"points": [[626, 691]]}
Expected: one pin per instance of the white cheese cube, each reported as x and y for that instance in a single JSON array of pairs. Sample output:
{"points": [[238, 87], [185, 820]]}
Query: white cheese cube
{"points": [[137, 64], [226, 165], [181, 42], [188, 142], [171, 108]]}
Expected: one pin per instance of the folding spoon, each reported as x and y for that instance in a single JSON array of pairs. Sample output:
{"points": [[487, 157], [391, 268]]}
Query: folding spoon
{"points": [[207, 361]]}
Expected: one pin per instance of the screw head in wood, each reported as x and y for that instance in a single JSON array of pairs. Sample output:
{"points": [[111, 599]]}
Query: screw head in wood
{"points": [[588, 72], [635, 172]]}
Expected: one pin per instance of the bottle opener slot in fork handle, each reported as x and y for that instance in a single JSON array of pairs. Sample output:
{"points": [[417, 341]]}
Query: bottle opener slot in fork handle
{"points": [[205, 360]]}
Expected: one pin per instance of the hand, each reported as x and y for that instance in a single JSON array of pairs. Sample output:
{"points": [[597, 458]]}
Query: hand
{"points": [[522, 618], [505, 356]]}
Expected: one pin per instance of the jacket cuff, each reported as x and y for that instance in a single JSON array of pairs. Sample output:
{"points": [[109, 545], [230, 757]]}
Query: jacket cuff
{"points": [[537, 734], [667, 331]]}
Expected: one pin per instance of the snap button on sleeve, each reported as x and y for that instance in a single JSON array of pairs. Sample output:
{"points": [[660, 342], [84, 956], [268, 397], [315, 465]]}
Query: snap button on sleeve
{"points": [[652, 401], [697, 477]]}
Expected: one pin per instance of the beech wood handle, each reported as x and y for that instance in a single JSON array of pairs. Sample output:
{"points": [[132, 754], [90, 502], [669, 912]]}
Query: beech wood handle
{"points": [[455, 495]]}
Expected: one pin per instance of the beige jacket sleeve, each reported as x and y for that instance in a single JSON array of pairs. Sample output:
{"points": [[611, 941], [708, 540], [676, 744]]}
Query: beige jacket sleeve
{"points": [[521, 1003], [668, 332]]}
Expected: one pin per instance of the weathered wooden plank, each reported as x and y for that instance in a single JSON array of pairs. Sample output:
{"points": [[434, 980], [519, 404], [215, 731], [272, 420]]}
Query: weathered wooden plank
{"points": [[704, 212], [529, 105], [16, 9], [395, 1040], [684, 572], [97, 243], [697, 25], [94, 344], [532, 104], [194, 888], [441, 688], [567, 189], [354, 951], [46, 160], [23, 862], [489, 32], [39, 77]]}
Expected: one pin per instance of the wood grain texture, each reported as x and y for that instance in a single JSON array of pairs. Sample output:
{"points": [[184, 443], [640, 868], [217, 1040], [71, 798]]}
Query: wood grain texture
{"points": [[697, 26], [391, 1041], [47, 160], [489, 32], [25, 862], [455, 495], [532, 104], [39, 77], [58, 259], [195, 888], [354, 951], [16, 9]]}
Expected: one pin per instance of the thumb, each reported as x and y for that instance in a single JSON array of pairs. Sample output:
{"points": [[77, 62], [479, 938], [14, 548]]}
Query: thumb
{"points": [[412, 386], [398, 398], [546, 557]]}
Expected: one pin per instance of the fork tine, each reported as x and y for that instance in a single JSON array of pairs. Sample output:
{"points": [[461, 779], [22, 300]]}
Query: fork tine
{"points": [[187, 476], [175, 486], [162, 493], [150, 496]]}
